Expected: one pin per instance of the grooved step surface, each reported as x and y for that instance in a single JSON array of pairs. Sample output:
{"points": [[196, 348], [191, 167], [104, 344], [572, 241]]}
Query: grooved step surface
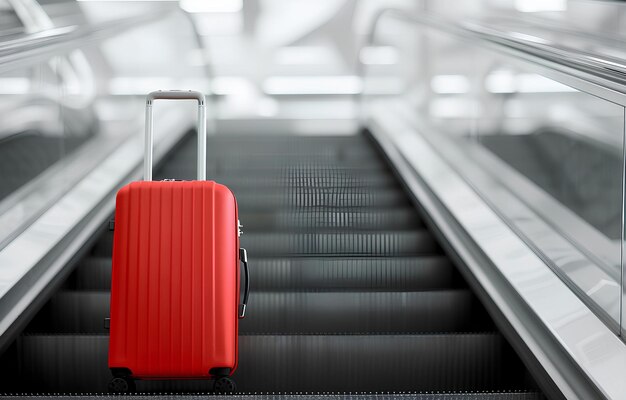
{"points": [[357, 312], [363, 161], [92, 273], [360, 159], [338, 219], [317, 176], [304, 312], [283, 183], [377, 243], [309, 274], [352, 273], [254, 199], [454, 362]]}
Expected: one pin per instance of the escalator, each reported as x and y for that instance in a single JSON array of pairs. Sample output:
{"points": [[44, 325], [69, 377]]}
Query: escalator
{"points": [[351, 292]]}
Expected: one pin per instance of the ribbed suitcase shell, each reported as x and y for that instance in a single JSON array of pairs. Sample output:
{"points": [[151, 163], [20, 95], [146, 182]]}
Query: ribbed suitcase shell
{"points": [[175, 281]]}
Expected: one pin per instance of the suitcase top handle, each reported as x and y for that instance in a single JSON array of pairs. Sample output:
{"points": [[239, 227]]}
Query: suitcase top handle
{"points": [[148, 143]]}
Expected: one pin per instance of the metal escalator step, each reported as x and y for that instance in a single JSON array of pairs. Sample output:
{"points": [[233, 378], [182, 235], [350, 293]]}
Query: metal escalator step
{"points": [[91, 273], [378, 243], [322, 190], [183, 170], [218, 159], [246, 162], [280, 145], [343, 274], [272, 244], [286, 143], [298, 312], [255, 199], [302, 363], [73, 311], [277, 148], [358, 312], [246, 182], [182, 167], [348, 219], [308, 273]]}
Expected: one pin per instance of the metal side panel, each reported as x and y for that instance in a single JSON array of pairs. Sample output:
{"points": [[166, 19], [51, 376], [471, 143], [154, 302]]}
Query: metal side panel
{"points": [[561, 335]]}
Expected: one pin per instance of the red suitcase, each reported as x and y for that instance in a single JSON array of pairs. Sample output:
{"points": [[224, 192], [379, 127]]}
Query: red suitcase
{"points": [[175, 283]]}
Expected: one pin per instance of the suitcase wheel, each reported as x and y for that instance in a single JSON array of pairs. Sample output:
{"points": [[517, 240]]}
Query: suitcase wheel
{"points": [[121, 385], [224, 385]]}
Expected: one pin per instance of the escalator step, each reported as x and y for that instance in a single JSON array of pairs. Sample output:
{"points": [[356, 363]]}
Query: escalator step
{"points": [[73, 311], [254, 199], [304, 312], [370, 273], [220, 159], [184, 169], [290, 363], [358, 312], [283, 183], [271, 143], [92, 273], [348, 219], [286, 145], [378, 243], [307, 273], [390, 243], [313, 177], [248, 162]]}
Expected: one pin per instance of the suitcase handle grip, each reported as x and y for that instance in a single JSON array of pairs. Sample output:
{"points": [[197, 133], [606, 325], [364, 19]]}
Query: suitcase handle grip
{"points": [[243, 257], [149, 139]]}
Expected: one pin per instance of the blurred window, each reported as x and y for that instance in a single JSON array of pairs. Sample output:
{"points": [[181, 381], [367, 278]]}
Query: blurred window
{"points": [[10, 24]]}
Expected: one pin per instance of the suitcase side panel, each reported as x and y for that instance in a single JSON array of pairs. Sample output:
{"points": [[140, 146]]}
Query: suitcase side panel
{"points": [[174, 294]]}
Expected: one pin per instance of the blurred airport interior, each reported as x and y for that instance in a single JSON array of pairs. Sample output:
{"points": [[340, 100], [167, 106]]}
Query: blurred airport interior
{"points": [[432, 192]]}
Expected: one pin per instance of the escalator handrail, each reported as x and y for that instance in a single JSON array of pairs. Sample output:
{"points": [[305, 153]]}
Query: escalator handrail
{"points": [[608, 72], [32, 47]]}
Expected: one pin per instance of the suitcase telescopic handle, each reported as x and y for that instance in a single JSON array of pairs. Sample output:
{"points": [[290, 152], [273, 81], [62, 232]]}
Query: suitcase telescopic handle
{"points": [[149, 140]]}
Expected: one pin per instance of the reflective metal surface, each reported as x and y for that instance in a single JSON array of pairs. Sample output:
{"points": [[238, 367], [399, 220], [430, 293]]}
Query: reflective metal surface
{"points": [[589, 342]]}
